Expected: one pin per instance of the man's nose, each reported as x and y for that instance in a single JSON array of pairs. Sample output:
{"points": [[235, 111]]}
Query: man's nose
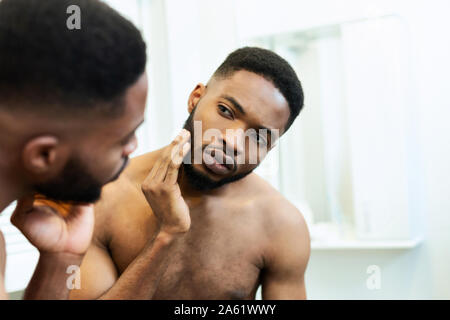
{"points": [[130, 147], [235, 140]]}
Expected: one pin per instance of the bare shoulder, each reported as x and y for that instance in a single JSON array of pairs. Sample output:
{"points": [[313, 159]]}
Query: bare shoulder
{"points": [[284, 225], [120, 197], [274, 205]]}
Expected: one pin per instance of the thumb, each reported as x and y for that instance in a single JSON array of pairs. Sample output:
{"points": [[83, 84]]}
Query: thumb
{"points": [[24, 206]]}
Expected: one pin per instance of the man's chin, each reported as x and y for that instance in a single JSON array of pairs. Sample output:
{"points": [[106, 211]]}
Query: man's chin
{"points": [[201, 179]]}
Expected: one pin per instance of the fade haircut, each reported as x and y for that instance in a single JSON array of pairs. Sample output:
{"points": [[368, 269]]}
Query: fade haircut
{"points": [[272, 67], [44, 65]]}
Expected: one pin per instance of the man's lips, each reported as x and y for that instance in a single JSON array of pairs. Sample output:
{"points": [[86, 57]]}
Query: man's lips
{"points": [[217, 161]]}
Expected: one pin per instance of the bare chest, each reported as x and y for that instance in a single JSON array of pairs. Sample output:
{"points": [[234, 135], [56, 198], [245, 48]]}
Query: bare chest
{"points": [[219, 258]]}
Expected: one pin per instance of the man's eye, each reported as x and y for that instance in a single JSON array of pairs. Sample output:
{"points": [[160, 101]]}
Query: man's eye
{"points": [[225, 111]]}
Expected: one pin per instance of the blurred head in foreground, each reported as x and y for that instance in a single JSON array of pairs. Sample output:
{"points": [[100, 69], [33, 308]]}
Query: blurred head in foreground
{"points": [[70, 99]]}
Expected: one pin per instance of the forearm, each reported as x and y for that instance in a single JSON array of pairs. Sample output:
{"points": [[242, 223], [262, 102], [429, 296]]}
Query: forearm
{"points": [[49, 281], [141, 278], [3, 294]]}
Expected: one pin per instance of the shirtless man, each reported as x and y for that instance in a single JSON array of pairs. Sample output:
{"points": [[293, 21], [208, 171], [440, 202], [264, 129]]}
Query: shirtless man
{"points": [[69, 106], [223, 229]]}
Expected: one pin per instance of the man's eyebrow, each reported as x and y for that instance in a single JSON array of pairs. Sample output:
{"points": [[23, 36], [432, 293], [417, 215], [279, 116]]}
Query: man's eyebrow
{"points": [[234, 102]]}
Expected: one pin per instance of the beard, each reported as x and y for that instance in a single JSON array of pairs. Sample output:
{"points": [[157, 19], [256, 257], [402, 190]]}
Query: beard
{"points": [[202, 182], [75, 184], [199, 180]]}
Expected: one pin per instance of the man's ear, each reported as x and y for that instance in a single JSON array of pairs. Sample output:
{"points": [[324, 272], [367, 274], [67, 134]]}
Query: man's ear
{"points": [[195, 96], [44, 156]]}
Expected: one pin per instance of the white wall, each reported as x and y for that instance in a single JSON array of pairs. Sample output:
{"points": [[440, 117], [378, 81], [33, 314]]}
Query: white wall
{"points": [[200, 35]]}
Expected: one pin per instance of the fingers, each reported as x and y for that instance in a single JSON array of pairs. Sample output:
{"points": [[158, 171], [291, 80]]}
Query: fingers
{"points": [[177, 153], [62, 208], [171, 158], [174, 157], [24, 206], [174, 167]]}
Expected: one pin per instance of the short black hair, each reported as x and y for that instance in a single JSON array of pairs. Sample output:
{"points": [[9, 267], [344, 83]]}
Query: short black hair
{"points": [[43, 62], [272, 67]]}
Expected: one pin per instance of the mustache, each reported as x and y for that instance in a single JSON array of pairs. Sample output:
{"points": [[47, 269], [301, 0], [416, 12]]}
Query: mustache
{"points": [[227, 152]]}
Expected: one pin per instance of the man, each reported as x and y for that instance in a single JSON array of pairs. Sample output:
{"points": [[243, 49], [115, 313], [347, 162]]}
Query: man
{"points": [[70, 102], [226, 230]]}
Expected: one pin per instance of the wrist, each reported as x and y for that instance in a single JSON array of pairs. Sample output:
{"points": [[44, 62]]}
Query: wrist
{"points": [[165, 237], [50, 278], [60, 258], [174, 230]]}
